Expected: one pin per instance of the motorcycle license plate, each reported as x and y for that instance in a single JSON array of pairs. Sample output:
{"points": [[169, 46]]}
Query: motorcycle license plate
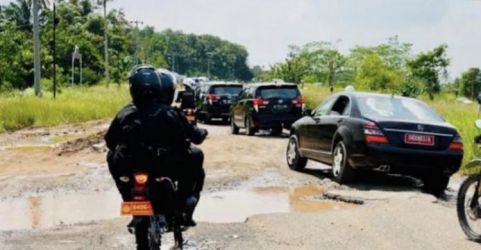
{"points": [[417, 139], [137, 208]]}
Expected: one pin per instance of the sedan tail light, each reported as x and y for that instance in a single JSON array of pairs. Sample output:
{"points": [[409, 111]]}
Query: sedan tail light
{"points": [[457, 144], [373, 134]]}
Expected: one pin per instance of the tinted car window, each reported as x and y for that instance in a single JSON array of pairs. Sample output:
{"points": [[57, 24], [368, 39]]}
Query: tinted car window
{"points": [[386, 107], [226, 90], [278, 92], [325, 107]]}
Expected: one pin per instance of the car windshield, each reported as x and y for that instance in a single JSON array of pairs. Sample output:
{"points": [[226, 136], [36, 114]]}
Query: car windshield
{"points": [[279, 92], [227, 90], [386, 107]]}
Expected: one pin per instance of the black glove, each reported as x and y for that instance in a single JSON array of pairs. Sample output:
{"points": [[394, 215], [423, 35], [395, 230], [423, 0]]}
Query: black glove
{"points": [[199, 135]]}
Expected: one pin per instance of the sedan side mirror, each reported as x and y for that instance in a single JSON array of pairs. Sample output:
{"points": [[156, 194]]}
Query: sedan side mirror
{"points": [[478, 124], [307, 112]]}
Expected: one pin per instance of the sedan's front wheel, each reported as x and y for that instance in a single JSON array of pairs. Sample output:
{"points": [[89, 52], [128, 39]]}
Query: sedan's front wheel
{"points": [[341, 170], [250, 129], [233, 128], [294, 159]]}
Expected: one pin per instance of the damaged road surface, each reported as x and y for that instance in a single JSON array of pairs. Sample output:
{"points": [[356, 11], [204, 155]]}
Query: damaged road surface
{"points": [[56, 193]]}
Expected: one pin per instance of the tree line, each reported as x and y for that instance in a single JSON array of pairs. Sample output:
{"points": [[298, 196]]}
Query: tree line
{"points": [[388, 67], [80, 23]]}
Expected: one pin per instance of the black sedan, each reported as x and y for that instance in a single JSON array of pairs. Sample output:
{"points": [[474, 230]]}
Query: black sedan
{"points": [[362, 131]]}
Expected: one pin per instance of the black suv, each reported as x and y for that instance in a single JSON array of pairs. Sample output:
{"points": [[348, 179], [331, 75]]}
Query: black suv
{"points": [[266, 106], [214, 100]]}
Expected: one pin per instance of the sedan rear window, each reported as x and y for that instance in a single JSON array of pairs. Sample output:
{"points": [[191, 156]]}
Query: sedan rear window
{"points": [[226, 90], [386, 107], [278, 92]]}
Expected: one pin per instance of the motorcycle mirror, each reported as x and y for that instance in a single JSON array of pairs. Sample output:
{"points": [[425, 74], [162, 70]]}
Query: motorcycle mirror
{"points": [[478, 123]]}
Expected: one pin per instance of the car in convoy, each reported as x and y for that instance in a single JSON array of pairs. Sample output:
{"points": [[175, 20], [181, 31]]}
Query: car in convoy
{"points": [[266, 106], [355, 131], [214, 100]]}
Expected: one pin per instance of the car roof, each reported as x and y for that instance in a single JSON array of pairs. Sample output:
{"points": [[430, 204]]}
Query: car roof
{"points": [[363, 94], [214, 83], [262, 84]]}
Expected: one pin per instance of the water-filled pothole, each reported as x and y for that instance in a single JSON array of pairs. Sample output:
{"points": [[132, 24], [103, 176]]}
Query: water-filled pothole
{"points": [[52, 210]]}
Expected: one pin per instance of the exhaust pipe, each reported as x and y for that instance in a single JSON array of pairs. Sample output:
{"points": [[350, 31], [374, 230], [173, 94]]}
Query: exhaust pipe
{"points": [[383, 168]]}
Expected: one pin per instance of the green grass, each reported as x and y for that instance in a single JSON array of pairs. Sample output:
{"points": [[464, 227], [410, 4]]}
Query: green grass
{"points": [[462, 116], [75, 104]]}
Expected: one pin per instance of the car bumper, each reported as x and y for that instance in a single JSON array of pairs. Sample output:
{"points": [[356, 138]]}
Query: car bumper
{"points": [[407, 161], [276, 120], [218, 111]]}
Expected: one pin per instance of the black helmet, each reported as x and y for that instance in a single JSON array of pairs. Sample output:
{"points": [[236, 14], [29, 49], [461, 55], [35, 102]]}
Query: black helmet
{"points": [[145, 84], [168, 86]]}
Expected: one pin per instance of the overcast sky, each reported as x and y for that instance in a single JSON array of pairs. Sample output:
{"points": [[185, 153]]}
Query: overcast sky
{"points": [[267, 27]]}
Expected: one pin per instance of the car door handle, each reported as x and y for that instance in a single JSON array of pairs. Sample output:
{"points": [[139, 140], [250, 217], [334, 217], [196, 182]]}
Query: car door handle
{"points": [[340, 120]]}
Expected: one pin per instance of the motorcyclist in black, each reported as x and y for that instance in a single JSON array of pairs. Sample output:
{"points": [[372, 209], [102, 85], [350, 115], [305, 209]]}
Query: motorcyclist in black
{"points": [[187, 97], [149, 132]]}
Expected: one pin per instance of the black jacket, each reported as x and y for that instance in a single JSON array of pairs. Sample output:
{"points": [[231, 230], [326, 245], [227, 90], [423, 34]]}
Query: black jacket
{"points": [[145, 137]]}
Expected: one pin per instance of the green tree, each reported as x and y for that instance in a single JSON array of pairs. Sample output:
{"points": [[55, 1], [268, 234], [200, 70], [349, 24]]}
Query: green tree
{"points": [[428, 67], [470, 82], [374, 74], [322, 61]]}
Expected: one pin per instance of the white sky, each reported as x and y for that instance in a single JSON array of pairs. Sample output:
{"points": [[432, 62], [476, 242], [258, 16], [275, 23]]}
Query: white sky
{"points": [[267, 27]]}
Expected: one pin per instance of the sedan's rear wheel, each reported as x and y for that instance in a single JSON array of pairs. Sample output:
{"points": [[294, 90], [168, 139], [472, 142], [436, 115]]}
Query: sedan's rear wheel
{"points": [[435, 184], [294, 159], [341, 170], [277, 131]]}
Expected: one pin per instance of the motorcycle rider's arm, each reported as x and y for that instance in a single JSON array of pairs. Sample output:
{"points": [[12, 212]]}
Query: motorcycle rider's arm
{"points": [[195, 134], [113, 134]]}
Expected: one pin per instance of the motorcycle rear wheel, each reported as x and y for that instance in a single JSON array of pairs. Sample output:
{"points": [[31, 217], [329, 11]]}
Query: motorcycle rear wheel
{"points": [[463, 209]]}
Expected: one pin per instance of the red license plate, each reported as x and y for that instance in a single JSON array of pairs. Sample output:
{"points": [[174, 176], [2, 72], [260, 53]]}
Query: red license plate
{"points": [[417, 139], [137, 208]]}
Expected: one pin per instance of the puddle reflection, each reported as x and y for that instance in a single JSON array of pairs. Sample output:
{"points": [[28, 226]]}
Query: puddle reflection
{"points": [[47, 211]]}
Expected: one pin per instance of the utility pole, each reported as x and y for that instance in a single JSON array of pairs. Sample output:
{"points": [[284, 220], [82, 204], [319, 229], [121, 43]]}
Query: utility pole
{"points": [[106, 44], [136, 23], [54, 50], [171, 58], [36, 49], [209, 56]]}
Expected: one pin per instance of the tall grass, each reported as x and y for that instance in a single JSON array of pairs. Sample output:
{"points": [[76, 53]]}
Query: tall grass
{"points": [[461, 115], [75, 104]]}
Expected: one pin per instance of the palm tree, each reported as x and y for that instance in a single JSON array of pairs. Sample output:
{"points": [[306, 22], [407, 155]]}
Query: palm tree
{"points": [[20, 12]]}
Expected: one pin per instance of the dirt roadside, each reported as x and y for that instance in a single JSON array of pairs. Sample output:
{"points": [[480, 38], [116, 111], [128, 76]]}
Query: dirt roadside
{"points": [[56, 193]]}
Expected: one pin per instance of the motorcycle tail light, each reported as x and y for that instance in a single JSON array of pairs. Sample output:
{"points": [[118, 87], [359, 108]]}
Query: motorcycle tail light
{"points": [[141, 178]]}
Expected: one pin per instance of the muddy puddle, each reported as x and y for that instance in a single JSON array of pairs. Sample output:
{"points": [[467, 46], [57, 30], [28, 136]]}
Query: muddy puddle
{"points": [[238, 205], [39, 212]]}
